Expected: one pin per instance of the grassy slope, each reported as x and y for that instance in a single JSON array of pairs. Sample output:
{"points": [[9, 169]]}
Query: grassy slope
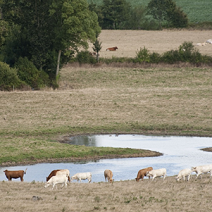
{"points": [[197, 11], [104, 100]]}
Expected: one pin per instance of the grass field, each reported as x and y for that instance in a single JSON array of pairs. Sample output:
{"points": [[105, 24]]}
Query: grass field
{"points": [[121, 196], [197, 11], [144, 99]]}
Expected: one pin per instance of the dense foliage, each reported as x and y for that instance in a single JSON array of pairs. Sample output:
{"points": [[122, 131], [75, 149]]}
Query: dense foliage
{"points": [[47, 33], [198, 12], [9, 79], [119, 14]]}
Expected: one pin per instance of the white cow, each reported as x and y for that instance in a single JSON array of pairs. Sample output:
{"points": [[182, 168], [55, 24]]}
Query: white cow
{"points": [[183, 174], [157, 173], [209, 41], [201, 44], [59, 179], [82, 176], [204, 169]]}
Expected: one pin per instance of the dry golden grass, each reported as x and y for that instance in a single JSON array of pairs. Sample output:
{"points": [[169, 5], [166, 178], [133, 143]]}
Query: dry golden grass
{"points": [[110, 100], [121, 196], [130, 41]]}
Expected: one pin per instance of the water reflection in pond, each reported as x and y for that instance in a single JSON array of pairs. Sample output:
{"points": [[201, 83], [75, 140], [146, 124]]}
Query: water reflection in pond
{"points": [[179, 153]]}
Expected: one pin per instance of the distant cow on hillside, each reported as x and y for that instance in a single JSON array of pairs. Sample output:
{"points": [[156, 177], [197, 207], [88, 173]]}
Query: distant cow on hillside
{"points": [[112, 48]]}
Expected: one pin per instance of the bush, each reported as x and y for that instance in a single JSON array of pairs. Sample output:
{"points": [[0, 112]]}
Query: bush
{"points": [[9, 78], [85, 57], [185, 53], [143, 55], [28, 73]]}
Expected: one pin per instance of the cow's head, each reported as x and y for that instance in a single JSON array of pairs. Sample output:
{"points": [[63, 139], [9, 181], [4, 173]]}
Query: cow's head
{"points": [[177, 178], [47, 184]]}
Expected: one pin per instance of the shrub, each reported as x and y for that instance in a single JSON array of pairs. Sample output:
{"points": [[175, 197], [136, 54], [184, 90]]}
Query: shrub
{"points": [[85, 57], [28, 73], [9, 78], [143, 55]]}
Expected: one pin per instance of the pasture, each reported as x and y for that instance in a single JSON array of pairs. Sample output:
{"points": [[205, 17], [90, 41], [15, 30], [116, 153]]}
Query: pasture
{"points": [[144, 99], [130, 41], [121, 196], [197, 11]]}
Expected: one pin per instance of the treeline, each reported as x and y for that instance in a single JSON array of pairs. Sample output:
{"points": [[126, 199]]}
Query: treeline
{"points": [[119, 14], [38, 37]]}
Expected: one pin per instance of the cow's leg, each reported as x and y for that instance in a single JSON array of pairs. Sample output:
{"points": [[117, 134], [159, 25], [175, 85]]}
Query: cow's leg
{"points": [[164, 176], [53, 186], [188, 177], [21, 178]]}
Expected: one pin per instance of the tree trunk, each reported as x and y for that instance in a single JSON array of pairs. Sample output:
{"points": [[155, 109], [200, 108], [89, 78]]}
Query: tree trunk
{"points": [[58, 64]]}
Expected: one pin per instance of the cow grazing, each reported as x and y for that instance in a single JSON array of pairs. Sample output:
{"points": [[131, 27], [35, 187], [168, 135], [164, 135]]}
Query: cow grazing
{"points": [[108, 175], [59, 172], [58, 179], [157, 173], [204, 169], [183, 174], [82, 176], [15, 174], [142, 173], [112, 48]]}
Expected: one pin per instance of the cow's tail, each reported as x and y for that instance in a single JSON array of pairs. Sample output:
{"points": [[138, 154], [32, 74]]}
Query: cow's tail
{"points": [[69, 180], [25, 171]]}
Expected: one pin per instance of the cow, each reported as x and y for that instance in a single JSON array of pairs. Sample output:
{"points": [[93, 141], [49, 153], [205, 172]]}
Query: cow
{"points": [[15, 174], [157, 173], [209, 41], [108, 175], [183, 174], [142, 173], [112, 48], [59, 172], [82, 176], [204, 169], [201, 44], [58, 179]]}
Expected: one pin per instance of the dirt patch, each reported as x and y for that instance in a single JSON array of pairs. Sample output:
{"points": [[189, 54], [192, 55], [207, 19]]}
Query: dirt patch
{"points": [[130, 41]]}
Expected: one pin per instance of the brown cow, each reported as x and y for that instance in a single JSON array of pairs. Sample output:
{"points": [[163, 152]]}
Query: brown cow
{"points": [[15, 174], [55, 172], [109, 175], [112, 48], [142, 173]]}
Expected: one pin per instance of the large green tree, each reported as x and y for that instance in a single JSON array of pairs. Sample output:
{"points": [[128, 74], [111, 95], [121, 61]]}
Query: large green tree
{"points": [[115, 13], [167, 10], [48, 29]]}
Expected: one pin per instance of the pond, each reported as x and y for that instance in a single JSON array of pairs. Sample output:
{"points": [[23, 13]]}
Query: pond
{"points": [[179, 153]]}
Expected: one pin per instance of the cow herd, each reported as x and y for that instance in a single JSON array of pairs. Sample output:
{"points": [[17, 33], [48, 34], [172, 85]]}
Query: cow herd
{"points": [[62, 176]]}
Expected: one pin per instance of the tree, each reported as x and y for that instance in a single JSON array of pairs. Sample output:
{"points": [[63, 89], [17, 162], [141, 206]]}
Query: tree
{"points": [[97, 46], [51, 29], [167, 10], [115, 13]]}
